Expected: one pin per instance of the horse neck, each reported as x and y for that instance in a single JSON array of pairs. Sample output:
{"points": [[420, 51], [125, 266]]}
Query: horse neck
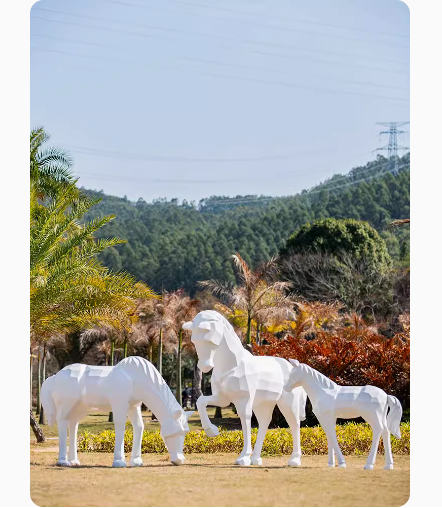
{"points": [[158, 397], [312, 387], [229, 354]]}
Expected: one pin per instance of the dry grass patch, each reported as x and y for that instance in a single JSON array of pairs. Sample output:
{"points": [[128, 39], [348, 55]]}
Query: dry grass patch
{"points": [[213, 480]]}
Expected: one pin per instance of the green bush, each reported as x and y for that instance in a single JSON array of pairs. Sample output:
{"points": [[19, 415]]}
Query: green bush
{"points": [[353, 438]]}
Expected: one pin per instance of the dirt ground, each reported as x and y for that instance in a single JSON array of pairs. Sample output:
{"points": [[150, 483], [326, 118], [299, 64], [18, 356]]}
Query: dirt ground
{"points": [[213, 480]]}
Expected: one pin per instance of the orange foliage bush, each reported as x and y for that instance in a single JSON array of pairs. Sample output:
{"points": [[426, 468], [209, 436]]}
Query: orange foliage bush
{"points": [[351, 355]]}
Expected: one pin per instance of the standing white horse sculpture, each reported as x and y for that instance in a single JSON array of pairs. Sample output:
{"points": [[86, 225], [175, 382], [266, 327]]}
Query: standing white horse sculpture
{"points": [[250, 382], [77, 389], [331, 401]]}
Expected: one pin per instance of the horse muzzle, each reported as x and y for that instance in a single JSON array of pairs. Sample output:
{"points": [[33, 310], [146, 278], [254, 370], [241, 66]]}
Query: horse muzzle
{"points": [[206, 366]]}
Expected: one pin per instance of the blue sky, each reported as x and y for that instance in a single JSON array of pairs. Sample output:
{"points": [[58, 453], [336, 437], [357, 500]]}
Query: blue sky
{"points": [[193, 98]]}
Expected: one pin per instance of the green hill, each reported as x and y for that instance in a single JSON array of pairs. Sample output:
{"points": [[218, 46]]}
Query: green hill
{"points": [[173, 245]]}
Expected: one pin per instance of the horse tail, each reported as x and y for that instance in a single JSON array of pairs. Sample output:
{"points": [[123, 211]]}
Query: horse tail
{"points": [[47, 401], [394, 416]]}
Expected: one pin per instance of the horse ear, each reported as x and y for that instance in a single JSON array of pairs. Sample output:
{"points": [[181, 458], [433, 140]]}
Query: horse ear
{"points": [[176, 415], [188, 325], [295, 363]]}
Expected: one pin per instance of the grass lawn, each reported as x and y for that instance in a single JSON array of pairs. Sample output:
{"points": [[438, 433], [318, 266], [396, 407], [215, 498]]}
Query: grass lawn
{"points": [[212, 480], [98, 422], [209, 479]]}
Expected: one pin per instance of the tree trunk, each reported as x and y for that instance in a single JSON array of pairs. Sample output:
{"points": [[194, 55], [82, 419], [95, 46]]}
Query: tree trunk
{"points": [[42, 416], [111, 416], [37, 430], [32, 365], [258, 326], [197, 382], [125, 348], [160, 352], [218, 412], [249, 328], [178, 370], [38, 381], [151, 353]]}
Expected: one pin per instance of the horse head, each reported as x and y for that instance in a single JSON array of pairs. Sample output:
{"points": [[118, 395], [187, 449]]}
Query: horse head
{"points": [[173, 432], [207, 330], [294, 377]]}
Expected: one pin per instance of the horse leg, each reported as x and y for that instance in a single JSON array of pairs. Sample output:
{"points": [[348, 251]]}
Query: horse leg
{"points": [[263, 415], [119, 411], [62, 442], [72, 456], [328, 423], [244, 408], [377, 427], [287, 408], [331, 455], [138, 427], [202, 403]]}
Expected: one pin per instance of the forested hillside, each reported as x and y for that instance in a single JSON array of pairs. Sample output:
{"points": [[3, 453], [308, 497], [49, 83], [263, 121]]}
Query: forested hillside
{"points": [[174, 245]]}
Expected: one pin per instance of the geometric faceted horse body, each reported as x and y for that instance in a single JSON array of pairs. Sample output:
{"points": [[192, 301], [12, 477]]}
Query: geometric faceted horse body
{"points": [[331, 401], [78, 389], [252, 383]]}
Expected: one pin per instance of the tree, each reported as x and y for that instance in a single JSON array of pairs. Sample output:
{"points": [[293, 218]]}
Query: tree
{"points": [[256, 291], [337, 236], [318, 276], [50, 168], [180, 308], [70, 288]]}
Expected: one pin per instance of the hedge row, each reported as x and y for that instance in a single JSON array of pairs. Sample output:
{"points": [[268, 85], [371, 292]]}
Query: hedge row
{"points": [[353, 438]]}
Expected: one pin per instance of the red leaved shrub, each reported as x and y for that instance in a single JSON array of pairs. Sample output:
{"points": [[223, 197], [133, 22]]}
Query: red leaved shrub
{"points": [[351, 355]]}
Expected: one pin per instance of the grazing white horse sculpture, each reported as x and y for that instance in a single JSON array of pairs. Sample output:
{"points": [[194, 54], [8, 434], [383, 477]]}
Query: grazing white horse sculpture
{"points": [[331, 401], [77, 389], [250, 382]]}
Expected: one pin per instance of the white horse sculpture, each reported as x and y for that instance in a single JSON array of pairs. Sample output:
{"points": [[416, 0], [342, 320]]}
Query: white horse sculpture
{"points": [[331, 401], [77, 389], [250, 382]]}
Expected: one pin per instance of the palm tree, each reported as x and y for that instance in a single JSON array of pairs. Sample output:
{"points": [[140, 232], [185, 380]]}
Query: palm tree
{"points": [[70, 289], [50, 168], [179, 308], [256, 290]]}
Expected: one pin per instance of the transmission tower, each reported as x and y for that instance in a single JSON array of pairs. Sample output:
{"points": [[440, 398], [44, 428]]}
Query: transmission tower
{"points": [[392, 147]]}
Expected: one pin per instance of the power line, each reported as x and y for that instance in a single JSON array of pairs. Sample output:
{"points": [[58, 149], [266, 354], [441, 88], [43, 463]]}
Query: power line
{"points": [[216, 62], [259, 25], [260, 53], [228, 77], [198, 34], [285, 19]]}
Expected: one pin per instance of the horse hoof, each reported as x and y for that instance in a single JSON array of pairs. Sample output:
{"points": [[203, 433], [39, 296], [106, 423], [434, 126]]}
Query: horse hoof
{"points": [[119, 463], [330, 465], [63, 463], [212, 431], [342, 464], [388, 466], [369, 467], [243, 461], [295, 462], [136, 462], [256, 462], [75, 463]]}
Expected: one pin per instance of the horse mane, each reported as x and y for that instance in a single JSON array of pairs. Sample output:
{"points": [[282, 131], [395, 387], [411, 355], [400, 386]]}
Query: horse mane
{"points": [[213, 315], [156, 380], [323, 381]]}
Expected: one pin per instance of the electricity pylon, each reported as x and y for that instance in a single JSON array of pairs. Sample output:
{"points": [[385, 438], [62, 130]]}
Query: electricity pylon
{"points": [[393, 147]]}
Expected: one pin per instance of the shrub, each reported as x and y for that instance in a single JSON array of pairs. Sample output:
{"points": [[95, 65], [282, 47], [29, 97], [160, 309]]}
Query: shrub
{"points": [[353, 439]]}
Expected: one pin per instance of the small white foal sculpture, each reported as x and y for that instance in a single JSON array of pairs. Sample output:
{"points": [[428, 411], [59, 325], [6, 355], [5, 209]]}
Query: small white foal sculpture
{"points": [[331, 401], [250, 382], [77, 389]]}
